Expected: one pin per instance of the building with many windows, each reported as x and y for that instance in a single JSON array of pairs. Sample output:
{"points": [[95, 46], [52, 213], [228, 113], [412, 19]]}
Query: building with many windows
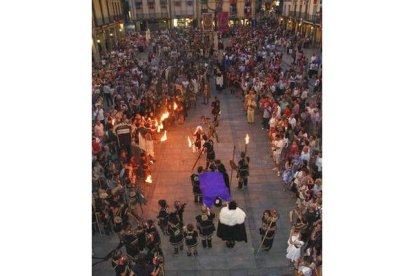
{"points": [[107, 26], [305, 17], [158, 14]]}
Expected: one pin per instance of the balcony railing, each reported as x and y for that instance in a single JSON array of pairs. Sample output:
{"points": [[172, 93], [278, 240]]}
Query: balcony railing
{"points": [[152, 15], [316, 19]]}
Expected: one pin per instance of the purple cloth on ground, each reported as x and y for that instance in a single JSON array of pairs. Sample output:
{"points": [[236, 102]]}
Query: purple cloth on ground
{"points": [[212, 186]]}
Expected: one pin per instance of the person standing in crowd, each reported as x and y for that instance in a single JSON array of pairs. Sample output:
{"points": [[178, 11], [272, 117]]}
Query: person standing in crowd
{"points": [[163, 216], [251, 106], [195, 181], [219, 81], [277, 147], [175, 232], [268, 228], [206, 94], [206, 226], [267, 114], [208, 147], [231, 226], [99, 130], [191, 240], [107, 91], [293, 252], [243, 171]]}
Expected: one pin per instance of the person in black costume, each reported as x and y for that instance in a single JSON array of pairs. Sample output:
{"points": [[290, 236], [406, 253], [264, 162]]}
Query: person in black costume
{"points": [[131, 242], [191, 240], [179, 211], [243, 170], [205, 226], [195, 181], [163, 216], [209, 148], [222, 169], [175, 232], [120, 264]]}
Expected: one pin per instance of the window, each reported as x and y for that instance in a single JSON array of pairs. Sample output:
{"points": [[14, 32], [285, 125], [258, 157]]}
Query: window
{"points": [[177, 3], [189, 2], [138, 5], [163, 4], [151, 5]]}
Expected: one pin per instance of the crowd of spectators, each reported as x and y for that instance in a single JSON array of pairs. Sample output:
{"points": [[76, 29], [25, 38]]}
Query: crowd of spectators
{"points": [[145, 97]]}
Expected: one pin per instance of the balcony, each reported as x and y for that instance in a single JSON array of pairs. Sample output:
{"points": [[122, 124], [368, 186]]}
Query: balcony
{"points": [[316, 19], [152, 15]]}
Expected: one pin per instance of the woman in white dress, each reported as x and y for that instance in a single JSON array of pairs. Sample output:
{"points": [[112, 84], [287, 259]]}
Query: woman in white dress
{"points": [[294, 245]]}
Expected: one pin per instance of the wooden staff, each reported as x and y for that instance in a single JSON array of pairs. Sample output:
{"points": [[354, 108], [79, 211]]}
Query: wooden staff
{"points": [[198, 158], [231, 174], [96, 216]]}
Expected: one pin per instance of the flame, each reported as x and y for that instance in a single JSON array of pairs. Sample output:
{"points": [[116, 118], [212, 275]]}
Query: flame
{"points": [[189, 142], [164, 137], [247, 138], [175, 106], [161, 126], [164, 116], [113, 122], [148, 179], [156, 122]]}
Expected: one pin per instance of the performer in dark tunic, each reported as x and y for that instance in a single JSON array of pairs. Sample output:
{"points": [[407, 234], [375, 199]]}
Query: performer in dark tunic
{"points": [[205, 226], [195, 181], [120, 264], [231, 226], [221, 168], [209, 148], [191, 240], [140, 232], [175, 232], [179, 211], [153, 240], [131, 242], [243, 170], [268, 228], [163, 216], [215, 108]]}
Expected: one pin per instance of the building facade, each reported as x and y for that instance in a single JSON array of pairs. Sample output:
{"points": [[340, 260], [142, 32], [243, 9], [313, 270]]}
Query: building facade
{"points": [[107, 26], [305, 17], [240, 11], [158, 14], [152, 14]]}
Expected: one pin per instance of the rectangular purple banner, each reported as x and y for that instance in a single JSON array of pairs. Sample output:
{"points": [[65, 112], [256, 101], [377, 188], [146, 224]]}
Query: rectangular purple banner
{"points": [[213, 186]]}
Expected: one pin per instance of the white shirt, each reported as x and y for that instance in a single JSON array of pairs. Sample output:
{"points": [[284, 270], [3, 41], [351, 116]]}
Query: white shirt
{"points": [[100, 116], [318, 163], [292, 122], [305, 156], [278, 145]]}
